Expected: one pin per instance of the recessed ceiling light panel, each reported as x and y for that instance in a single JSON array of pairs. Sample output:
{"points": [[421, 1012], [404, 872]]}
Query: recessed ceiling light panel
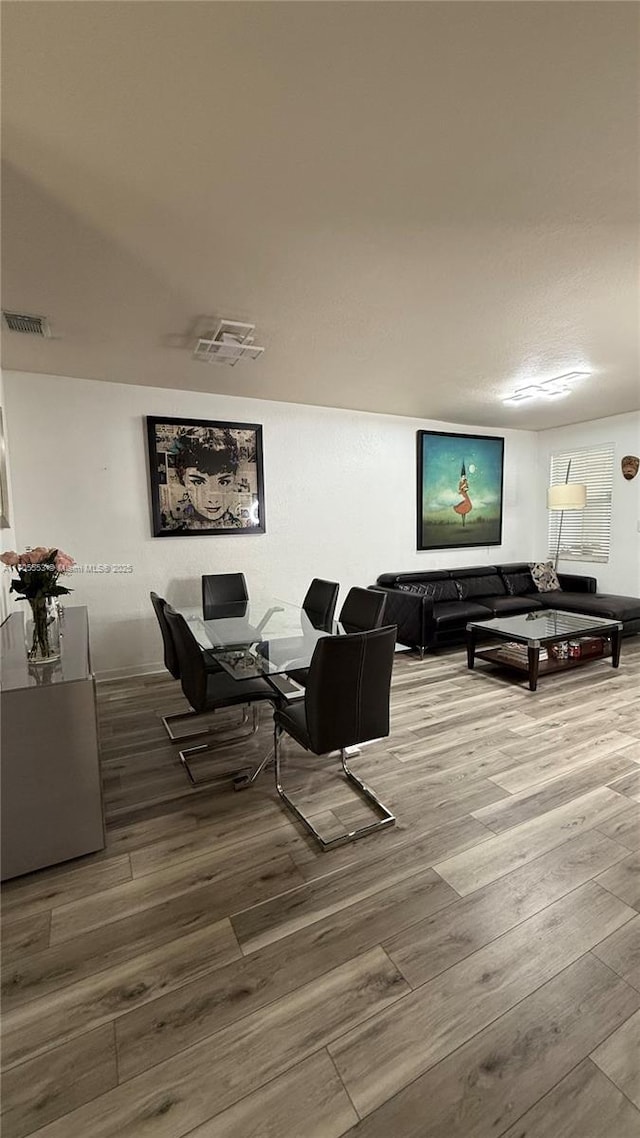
{"points": [[548, 389], [227, 343], [554, 392]]}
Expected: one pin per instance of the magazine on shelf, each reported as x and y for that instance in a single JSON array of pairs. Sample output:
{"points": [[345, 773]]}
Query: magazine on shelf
{"points": [[517, 651]]}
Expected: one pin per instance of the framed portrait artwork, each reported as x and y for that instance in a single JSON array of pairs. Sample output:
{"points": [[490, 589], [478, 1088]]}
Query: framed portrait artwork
{"points": [[206, 477], [460, 481]]}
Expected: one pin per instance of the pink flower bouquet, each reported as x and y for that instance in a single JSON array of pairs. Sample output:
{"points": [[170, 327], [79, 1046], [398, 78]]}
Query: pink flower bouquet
{"points": [[38, 571]]}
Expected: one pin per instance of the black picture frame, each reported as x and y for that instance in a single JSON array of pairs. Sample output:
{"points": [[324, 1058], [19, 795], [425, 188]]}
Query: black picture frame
{"points": [[452, 469], [206, 477]]}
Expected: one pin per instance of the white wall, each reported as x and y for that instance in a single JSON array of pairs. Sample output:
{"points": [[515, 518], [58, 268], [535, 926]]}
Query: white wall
{"points": [[339, 486], [622, 572]]}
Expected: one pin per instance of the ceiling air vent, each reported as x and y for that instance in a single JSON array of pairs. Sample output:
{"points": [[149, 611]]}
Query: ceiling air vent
{"points": [[29, 325], [229, 342]]}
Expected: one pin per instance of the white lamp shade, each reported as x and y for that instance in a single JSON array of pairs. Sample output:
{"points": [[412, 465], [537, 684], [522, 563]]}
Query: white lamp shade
{"points": [[567, 496]]}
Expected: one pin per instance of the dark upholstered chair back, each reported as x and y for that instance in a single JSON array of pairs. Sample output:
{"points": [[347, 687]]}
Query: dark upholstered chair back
{"points": [[320, 602], [362, 610], [193, 673], [347, 694], [170, 657], [224, 595]]}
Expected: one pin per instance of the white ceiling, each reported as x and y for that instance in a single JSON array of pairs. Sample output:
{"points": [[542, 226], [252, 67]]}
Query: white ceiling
{"points": [[421, 206]]}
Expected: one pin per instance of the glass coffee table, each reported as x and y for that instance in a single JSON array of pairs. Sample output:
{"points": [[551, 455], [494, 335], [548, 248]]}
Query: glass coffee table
{"points": [[545, 641]]}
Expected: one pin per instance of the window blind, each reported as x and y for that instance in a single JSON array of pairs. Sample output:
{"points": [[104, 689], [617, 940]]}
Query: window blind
{"points": [[586, 534]]}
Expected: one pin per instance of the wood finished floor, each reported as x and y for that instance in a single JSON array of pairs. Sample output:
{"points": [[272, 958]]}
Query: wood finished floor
{"points": [[474, 971]]}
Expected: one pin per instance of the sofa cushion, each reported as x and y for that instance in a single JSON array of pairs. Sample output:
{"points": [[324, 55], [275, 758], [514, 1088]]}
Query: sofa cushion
{"points": [[605, 605], [544, 576], [487, 585], [514, 567], [504, 606], [518, 583], [455, 614], [446, 590], [395, 580], [472, 571]]}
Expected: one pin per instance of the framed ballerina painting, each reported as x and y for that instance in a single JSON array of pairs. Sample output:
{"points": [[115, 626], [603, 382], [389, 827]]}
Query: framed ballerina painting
{"points": [[459, 490]]}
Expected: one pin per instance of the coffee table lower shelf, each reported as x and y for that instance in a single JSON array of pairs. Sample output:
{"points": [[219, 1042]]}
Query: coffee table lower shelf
{"points": [[507, 660]]}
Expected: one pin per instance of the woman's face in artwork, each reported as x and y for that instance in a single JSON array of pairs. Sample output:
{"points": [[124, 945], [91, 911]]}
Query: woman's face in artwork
{"points": [[209, 493]]}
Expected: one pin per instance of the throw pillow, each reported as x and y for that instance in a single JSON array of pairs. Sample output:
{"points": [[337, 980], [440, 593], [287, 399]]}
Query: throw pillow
{"points": [[544, 576]]}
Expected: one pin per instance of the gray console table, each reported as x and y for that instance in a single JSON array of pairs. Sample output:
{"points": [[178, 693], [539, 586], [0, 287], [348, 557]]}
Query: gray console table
{"points": [[51, 786]]}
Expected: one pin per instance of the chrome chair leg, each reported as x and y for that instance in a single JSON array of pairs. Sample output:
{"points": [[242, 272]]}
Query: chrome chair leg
{"points": [[388, 819], [167, 720], [242, 781], [242, 775]]}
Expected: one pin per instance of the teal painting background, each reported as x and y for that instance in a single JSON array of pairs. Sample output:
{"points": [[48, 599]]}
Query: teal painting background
{"points": [[440, 459]]}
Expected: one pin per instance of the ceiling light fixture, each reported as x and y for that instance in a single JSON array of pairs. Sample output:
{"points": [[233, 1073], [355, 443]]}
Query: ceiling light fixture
{"points": [[554, 392], [227, 343], [521, 395], [549, 389]]}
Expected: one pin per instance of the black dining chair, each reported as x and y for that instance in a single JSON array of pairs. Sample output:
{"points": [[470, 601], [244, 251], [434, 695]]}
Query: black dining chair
{"points": [[346, 702], [170, 657], [172, 664], [224, 595], [320, 603], [363, 609], [208, 691]]}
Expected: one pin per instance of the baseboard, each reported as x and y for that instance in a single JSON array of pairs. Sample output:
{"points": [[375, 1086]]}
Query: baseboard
{"points": [[129, 672]]}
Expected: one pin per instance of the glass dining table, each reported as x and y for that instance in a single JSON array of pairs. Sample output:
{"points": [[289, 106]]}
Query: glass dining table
{"points": [[264, 636]]}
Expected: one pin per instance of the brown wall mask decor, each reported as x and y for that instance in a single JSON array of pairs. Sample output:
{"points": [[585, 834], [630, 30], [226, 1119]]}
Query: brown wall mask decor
{"points": [[629, 464]]}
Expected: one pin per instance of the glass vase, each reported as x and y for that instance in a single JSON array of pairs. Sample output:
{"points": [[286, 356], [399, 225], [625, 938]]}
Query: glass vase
{"points": [[43, 631]]}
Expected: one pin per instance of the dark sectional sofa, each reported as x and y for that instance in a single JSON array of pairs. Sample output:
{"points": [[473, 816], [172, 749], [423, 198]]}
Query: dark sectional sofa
{"points": [[432, 608]]}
